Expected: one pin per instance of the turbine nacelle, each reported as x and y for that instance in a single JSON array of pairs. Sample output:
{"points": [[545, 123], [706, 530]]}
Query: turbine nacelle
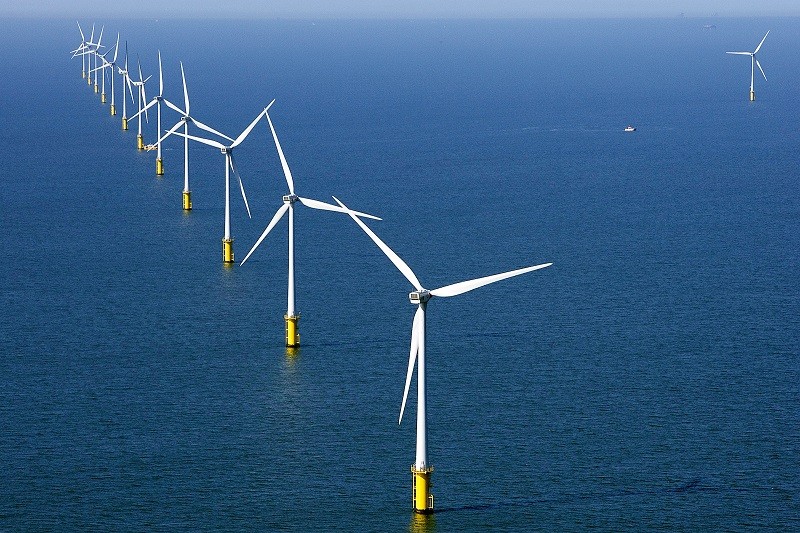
{"points": [[419, 297], [226, 150], [291, 198]]}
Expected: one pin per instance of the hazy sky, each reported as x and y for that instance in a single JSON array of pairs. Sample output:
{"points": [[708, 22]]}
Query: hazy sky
{"points": [[397, 8]]}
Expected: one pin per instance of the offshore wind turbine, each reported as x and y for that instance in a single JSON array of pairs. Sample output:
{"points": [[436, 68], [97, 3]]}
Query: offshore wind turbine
{"points": [[421, 470], [291, 318], [184, 121], [95, 54], [142, 98], [753, 63], [227, 151], [157, 99], [126, 82], [80, 50]]}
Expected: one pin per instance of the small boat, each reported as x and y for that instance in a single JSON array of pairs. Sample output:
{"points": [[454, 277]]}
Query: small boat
{"points": [[630, 128]]}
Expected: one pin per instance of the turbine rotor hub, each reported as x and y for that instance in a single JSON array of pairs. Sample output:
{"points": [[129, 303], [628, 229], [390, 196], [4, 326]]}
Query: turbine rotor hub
{"points": [[290, 198], [419, 297]]}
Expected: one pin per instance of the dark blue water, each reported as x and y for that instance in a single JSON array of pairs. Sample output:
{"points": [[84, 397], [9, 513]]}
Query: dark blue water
{"points": [[647, 381]]}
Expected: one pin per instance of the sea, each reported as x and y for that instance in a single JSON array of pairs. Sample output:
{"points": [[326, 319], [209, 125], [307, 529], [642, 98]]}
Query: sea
{"points": [[647, 381]]}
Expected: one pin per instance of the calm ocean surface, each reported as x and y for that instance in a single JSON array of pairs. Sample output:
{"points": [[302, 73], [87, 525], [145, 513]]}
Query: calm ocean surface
{"points": [[649, 380]]}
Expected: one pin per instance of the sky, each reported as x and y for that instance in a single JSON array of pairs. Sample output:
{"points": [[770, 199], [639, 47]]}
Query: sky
{"points": [[309, 9]]}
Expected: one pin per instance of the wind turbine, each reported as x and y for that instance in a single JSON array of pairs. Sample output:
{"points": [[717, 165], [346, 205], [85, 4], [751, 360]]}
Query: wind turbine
{"points": [[157, 99], [185, 119], [142, 98], [126, 82], [108, 64], [227, 151], [96, 53], [421, 470], [753, 63], [80, 50], [291, 317]]}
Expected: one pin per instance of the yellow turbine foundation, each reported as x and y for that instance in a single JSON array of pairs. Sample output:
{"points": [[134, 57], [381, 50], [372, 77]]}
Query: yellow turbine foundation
{"points": [[187, 200], [421, 497], [292, 336], [113, 110], [752, 96], [103, 98], [227, 251], [89, 79], [83, 75], [125, 124], [96, 88], [140, 142], [159, 167]]}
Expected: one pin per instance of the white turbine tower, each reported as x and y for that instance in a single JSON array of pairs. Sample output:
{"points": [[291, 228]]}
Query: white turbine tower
{"points": [[421, 469], [292, 317], [227, 151], [157, 99], [102, 69], [753, 63], [184, 121], [141, 99]]}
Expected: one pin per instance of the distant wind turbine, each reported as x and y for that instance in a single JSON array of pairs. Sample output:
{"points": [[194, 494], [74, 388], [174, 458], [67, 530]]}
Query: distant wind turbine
{"points": [[421, 470], [227, 151], [292, 317], [157, 99], [141, 99], [126, 82], [753, 63], [184, 121], [106, 64]]}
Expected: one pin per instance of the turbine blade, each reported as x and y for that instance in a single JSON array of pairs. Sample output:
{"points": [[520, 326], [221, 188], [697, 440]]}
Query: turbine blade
{"points": [[170, 131], [286, 172], [465, 286], [241, 185], [160, 76], [393, 257], [116, 49], [209, 129], [412, 357], [740, 53], [242, 136], [762, 42], [83, 38], [275, 218], [185, 92], [316, 204], [174, 107], [761, 69], [209, 142]]}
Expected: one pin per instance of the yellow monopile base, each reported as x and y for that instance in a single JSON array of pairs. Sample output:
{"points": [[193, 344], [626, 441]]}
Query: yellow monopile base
{"points": [[187, 200], [83, 75], [103, 98], [227, 251], [159, 167], [292, 336], [421, 497], [96, 88], [125, 124], [752, 96], [113, 110], [89, 80], [140, 142]]}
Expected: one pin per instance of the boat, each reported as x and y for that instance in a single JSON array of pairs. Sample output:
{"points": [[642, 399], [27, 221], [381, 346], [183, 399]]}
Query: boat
{"points": [[630, 128]]}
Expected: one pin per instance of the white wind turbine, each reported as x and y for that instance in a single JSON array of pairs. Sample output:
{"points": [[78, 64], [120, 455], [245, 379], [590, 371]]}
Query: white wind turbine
{"points": [[141, 99], [291, 318], [227, 151], [86, 50], [157, 99], [185, 119], [102, 68], [753, 63], [95, 53], [80, 50], [126, 82], [422, 470]]}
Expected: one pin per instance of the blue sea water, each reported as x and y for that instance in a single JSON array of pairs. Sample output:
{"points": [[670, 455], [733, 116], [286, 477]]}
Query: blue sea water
{"points": [[648, 380]]}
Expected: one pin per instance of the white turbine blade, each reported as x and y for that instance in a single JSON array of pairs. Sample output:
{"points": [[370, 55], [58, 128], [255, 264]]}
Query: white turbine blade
{"points": [[83, 38], [278, 214], [761, 69], [209, 142], [91, 36], [286, 172], [185, 92], [412, 357], [762, 42], [173, 107], [116, 49], [100, 39], [160, 76], [466, 286], [209, 129], [130, 88], [740, 53], [242, 136], [316, 204], [393, 257], [241, 185], [170, 131], [144, 109]]}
